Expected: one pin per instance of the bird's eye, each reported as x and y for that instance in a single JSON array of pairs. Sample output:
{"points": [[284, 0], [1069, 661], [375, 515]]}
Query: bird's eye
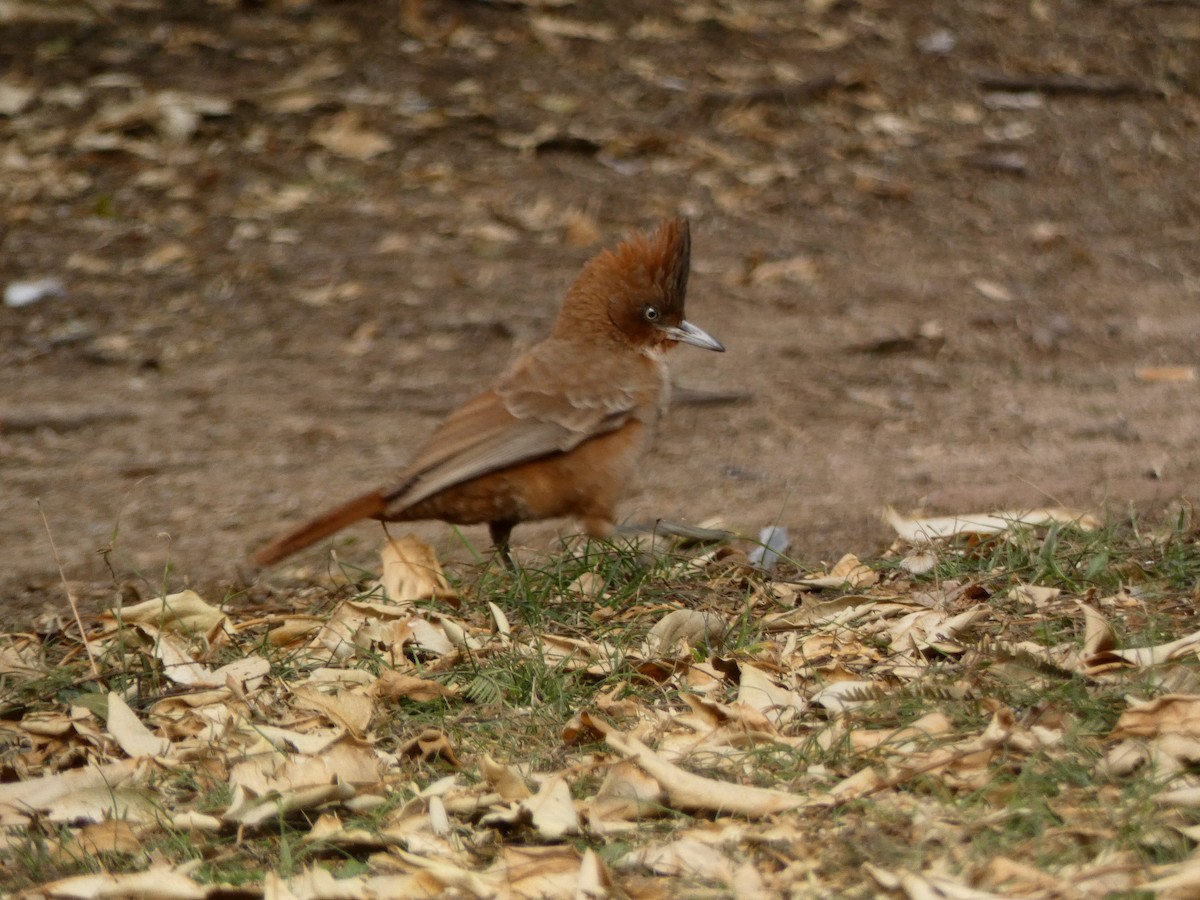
{"points": [[651, 314]]}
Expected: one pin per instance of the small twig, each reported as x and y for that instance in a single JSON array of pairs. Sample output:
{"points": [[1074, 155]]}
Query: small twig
{"points": [[678, 530], [1008, 163], [786, 94], [695, 397], [57, 419], [70, 597], [1096, 85]]}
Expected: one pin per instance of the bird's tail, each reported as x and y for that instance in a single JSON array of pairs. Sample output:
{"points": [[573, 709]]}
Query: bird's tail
{"points": [[367, 506]]}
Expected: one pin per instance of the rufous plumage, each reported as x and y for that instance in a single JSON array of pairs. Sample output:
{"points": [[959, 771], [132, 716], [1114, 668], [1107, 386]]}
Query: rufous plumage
{"points": [[561, 432]]}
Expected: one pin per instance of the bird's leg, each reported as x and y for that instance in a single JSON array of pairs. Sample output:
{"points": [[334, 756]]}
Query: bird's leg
{"points": [[500, 532]]}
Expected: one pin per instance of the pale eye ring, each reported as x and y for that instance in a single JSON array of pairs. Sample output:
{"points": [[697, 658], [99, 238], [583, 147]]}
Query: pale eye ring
{"points": [[651, 314]]}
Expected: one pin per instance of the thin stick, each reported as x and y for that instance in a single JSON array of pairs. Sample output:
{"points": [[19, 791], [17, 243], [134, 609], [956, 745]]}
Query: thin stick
{"points": [[70, 597], [1096, 85]]}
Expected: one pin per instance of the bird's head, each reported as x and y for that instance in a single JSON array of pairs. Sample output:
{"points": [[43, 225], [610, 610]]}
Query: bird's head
{"points": [[635, 293]]}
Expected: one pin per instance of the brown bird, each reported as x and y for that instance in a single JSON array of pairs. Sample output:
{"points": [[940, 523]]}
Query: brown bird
{"points": [[559, 433]]}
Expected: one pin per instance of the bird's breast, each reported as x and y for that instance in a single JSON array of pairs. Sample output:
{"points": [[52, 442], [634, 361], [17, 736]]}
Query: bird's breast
{"points": [[661, 379]]}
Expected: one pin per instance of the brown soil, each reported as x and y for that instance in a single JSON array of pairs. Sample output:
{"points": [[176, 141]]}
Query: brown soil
{"points": [[934, 294]]}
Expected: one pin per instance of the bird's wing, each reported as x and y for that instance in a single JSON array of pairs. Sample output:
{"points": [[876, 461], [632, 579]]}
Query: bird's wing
{"points": [[532, 412]]}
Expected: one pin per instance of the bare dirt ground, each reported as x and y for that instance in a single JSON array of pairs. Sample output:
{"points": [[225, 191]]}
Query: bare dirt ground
{"points": [[292, 235]]}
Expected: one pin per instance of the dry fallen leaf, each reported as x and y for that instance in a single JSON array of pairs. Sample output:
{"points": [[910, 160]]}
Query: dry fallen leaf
{"points": [[345, 135], [683, 629], [627, 793], [70, 793], [157, 883], [919, 530], [554, 871], [346, 707], [1170, 714], [507, 781], [112, 836], [847, 572], [1100, 647], [1099, 636], [685, 856], [392, 685], [558, 27], [686, 791], [430, 744], [759, 691], [552, 811], [411, 572], [15, 95], [184, 612], [132, 736], [1035, 595], [801, 270]]}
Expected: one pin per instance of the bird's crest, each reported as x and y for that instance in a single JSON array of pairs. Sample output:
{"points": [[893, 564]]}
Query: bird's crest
{"points": [[661, 258], [643, 268]]}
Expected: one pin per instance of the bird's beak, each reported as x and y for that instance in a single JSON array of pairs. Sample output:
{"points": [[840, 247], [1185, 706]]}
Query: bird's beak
{"points": [[687, 333]]}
